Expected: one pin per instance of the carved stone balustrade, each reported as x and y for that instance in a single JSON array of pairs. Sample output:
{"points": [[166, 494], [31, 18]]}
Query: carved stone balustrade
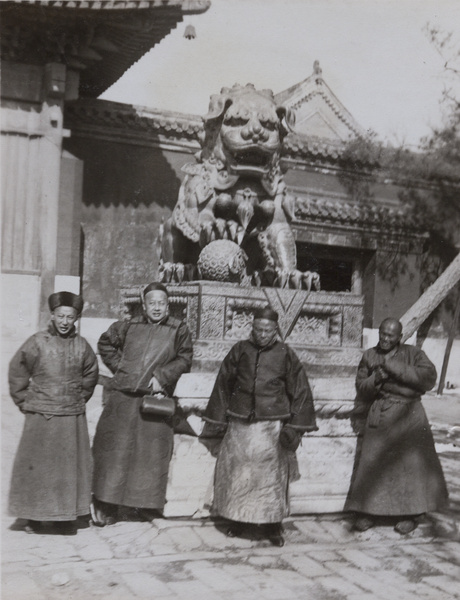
{"points": [[324, 328]]}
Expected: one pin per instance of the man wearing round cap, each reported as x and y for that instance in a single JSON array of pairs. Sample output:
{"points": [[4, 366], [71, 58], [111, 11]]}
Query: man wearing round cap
{"points": [[132, 449], [262, 404], [51, 377]]}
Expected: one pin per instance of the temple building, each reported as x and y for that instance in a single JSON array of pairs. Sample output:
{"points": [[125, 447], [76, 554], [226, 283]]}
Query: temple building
{"points": [[88, 182], [54, 53]]}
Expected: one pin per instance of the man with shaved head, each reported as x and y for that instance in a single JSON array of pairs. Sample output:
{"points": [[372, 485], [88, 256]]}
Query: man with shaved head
{"points": [[397, 472]]}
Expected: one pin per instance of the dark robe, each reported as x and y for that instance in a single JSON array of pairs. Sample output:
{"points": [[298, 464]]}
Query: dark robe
{"points": [[132, 450], [51, 377], [397, 471]]}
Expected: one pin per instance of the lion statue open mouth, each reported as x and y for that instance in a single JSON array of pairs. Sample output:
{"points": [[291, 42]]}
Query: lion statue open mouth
{"points": [[235, 191]]}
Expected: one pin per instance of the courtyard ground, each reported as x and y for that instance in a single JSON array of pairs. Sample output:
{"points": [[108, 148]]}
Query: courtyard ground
{"points": [[194, 560]]}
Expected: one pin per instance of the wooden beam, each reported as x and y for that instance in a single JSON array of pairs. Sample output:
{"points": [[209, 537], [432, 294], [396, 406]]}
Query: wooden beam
{"points": [[430, 299]]}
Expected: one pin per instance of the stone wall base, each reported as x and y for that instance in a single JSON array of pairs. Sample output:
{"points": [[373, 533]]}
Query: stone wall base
{"points": [[20, 313]]}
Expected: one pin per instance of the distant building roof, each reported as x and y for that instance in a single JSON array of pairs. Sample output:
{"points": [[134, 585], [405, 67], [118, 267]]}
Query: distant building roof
{"points": [[371, 216], [92, 115], [319, 113], [100, 39]]}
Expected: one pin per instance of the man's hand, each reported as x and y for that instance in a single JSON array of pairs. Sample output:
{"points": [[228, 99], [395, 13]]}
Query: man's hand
{"points": [[290, 438], [156, 385], [380, 375]]}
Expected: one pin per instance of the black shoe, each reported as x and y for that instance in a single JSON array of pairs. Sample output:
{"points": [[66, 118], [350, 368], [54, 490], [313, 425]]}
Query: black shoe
{"points": [[102, 513], [277, 540], [32, 526], [363, 523], [274, 532], [234, 530], [65, 527], [147, 514], [406, 526]]}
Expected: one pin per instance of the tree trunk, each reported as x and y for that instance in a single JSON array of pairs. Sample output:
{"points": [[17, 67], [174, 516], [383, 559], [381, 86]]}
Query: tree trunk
{"points": [[430, 299]]}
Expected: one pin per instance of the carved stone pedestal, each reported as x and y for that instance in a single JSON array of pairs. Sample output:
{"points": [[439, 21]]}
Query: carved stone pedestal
{"points": [[324, 328]]}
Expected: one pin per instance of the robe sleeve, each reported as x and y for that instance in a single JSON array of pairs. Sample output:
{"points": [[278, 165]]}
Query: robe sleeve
{"points": [[420, 376], [110, 344], [299, 394], [365, 382], [21, 369], [169, 373], [216, 411], [90, 372]]}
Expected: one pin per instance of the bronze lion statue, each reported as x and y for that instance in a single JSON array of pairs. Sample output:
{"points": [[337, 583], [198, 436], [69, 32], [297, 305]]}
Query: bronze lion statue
{"points": [[235, 191]]}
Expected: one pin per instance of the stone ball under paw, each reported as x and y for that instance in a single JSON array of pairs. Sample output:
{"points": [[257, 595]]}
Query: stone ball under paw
{"points": [[222, 260]]}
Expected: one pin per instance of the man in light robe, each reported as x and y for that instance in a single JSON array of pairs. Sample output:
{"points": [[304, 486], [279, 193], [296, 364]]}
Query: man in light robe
{"points": [[262, 404]]}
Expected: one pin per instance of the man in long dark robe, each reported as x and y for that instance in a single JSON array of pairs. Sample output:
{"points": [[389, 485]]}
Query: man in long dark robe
{"points": [[262, 404], [51, 378], [132, 450], [398, 472]]}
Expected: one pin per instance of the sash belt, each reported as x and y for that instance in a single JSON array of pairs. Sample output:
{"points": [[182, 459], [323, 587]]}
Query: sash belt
{"points": [[378, 407]]}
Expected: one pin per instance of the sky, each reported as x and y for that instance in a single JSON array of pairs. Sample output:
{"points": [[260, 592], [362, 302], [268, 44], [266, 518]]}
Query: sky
{"points": [[374, 55]]}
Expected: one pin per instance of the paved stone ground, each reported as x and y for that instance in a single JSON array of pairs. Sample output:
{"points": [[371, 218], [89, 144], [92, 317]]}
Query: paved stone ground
{"points": [[194, 560]]}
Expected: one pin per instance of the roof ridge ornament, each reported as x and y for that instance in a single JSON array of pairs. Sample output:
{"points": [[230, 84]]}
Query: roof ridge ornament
{"points": [[318, 71]]}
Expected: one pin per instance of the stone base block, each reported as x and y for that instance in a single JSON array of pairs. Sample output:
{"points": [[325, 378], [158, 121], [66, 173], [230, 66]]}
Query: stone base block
{"points": [[190, 482], [325, 466]]}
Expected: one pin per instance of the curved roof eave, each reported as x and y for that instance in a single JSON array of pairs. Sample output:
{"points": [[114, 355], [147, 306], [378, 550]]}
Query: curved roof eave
{"points": [[100, 40]]}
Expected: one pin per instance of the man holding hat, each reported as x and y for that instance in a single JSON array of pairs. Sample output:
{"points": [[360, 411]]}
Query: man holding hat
{"points": [[132, 450], [262, 404], [51, 377]]}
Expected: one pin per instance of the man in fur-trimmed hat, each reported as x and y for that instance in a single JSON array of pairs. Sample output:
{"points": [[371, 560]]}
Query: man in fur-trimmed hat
{"points": [[51, 378], [262, 404]]}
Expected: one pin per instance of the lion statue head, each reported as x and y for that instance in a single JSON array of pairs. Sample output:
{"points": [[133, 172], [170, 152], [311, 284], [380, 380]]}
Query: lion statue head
{"points": [[243, 132]]}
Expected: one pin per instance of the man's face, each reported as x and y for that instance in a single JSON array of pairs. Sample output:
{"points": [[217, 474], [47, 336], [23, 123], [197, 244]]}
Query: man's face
{"points": [[263, 331], [156, 305], [389, 336], [64, 318]]}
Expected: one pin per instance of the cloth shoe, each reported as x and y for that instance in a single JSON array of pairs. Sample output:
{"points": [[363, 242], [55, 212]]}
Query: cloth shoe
{"points": [[32, 526], [406, 526], [147, 514], [274, 533], [65, 527], [363, 523], [234, 530], [103, 513]]}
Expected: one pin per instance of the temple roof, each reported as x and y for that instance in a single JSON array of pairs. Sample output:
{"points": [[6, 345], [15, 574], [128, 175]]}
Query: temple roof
{"points": [[319, 113], [100, 39], [92, 115], [371, 216]]}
